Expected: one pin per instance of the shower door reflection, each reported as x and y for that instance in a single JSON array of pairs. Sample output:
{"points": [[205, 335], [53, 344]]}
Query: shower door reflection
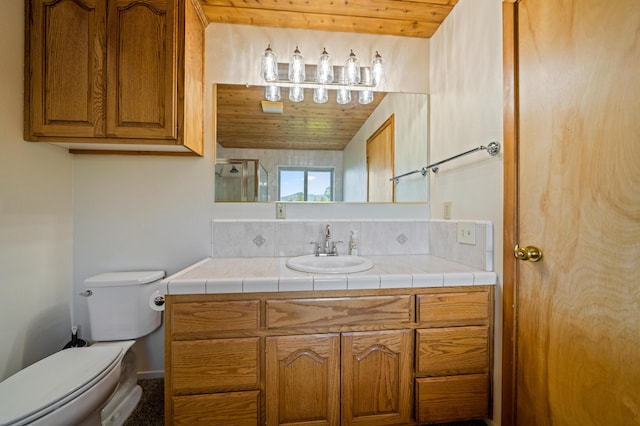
{"points": [[241, 180]]}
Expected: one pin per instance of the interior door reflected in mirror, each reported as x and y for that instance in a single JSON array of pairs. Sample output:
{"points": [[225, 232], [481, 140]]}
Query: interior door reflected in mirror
{"points": [[311, 136]]}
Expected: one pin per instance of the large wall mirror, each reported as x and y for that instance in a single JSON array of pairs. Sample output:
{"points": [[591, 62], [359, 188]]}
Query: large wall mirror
{"points": [[305, 151]]}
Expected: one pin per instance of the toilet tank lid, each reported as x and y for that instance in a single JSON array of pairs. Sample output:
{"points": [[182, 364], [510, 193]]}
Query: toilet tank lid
{"points": [[115, 279]]}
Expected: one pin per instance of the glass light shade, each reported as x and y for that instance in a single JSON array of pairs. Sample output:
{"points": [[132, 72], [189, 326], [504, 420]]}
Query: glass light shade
{"points": [[365, 97], [269, 69], [324, 71], [343, 96], [296, 67], [272, 93], [377, 70], [320, 95], [352, 69], [296, 94]]}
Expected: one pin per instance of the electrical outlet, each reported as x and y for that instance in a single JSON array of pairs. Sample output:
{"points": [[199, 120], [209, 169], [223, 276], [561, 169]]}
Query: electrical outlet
{"points": [[446, 211], [281, 211], [466, 233]]}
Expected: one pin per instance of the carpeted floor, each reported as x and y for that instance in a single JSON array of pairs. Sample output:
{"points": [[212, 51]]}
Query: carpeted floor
{"points": [[150, 410]]}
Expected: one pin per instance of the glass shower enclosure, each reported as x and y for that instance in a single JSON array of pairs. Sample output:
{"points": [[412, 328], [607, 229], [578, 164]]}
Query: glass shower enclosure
{"points": [[241, 180]]}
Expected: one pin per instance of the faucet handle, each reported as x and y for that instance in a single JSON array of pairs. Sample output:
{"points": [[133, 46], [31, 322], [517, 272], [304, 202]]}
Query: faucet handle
{"points": [[316, 247], [334, 247]]}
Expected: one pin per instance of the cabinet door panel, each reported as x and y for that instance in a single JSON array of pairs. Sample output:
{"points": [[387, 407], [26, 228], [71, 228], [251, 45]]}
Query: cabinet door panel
{"points": [[452, 398], [303, 380], [215, 365], [65, 84], [377, 377], [234, 408], [141, 61], [453, 350]]}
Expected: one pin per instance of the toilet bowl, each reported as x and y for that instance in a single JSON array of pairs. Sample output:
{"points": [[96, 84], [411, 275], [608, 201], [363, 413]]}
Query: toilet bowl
{"points": [[93, 385]]}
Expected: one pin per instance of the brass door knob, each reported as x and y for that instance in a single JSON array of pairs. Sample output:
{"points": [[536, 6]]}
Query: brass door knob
{"points": [[530, 253]]}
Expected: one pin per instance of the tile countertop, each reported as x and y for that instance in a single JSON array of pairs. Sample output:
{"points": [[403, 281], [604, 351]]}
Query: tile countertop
{"points": [[270, 274]]}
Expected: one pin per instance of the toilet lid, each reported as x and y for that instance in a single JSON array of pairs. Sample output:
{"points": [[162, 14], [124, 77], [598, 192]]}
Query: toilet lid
{"points": [[50, 380]]}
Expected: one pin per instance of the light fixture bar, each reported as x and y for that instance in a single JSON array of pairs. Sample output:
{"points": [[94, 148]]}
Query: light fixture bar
{"points": [[310, 70]]}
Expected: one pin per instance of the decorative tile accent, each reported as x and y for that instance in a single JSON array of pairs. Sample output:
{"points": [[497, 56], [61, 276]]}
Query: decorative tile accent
{"points": [[259, 240], [402, 239]]}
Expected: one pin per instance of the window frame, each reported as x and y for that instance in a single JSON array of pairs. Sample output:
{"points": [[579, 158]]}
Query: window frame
{"points": [[306, 169]]}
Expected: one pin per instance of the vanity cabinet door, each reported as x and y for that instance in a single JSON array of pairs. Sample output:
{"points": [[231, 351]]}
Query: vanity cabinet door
{"points": [[303, 380], [377, 377]]}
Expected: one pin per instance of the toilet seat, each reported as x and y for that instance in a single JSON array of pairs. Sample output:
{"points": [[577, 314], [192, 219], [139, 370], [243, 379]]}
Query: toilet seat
{"points": [[54, 381]]}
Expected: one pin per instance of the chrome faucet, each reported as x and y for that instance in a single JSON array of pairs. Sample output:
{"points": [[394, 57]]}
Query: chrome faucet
{"points": [[328, 247]]}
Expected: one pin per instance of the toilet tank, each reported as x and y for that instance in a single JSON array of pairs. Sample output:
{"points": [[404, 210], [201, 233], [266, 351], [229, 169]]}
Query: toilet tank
{"points": [[119, 304]]}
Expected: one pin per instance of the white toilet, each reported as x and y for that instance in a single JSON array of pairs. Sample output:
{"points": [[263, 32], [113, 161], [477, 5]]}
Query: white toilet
{"points": [[97, 384]]}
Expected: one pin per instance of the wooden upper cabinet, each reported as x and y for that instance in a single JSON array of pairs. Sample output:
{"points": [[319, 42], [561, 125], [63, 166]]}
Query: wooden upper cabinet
{"points": [[115, 74]]}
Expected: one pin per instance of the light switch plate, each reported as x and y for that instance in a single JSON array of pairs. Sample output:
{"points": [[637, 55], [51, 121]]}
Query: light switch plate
{"points": [[466, 233], [281, 211], [446, 209]]}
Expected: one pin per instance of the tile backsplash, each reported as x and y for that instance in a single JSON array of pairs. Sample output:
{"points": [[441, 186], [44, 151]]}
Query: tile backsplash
{"points": [[279, 238]]}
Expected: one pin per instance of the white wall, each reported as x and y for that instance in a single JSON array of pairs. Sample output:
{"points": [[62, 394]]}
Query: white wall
{"points": [[466, 111], [411, 128], [35, 220]]}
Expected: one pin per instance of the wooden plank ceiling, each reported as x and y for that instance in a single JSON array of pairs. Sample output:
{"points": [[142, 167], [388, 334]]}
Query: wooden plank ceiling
{"points": [[241, 123], [415, 18], [330, 126]]}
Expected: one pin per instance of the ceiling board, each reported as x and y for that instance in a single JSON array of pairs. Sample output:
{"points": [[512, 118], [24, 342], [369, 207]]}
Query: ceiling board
{"points": [[417, 18], [304, 125]]}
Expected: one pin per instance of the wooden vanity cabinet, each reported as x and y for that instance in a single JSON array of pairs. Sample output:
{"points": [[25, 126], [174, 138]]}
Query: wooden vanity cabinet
{"points": [[122, 72], [378, 357]]}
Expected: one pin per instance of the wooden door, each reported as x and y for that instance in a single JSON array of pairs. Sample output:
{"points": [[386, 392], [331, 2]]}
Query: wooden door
{"points": [[380, 149], [64, 84], [303, 380], [141, 63], [576, 351], [377, 378]]}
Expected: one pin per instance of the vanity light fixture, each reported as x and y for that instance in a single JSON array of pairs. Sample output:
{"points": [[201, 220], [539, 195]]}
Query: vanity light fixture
{"points": [[352, 77]]}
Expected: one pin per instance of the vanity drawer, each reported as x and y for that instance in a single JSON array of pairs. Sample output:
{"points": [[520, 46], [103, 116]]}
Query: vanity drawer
{"points": [[450, 309], [203, 317], [342, 311], [452, 350], [215, 365], [452, 398], [237, 408]]}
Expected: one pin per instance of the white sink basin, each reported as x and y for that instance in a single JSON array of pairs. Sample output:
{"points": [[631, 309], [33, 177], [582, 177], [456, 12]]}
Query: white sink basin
{"points": [[329, 264]]}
